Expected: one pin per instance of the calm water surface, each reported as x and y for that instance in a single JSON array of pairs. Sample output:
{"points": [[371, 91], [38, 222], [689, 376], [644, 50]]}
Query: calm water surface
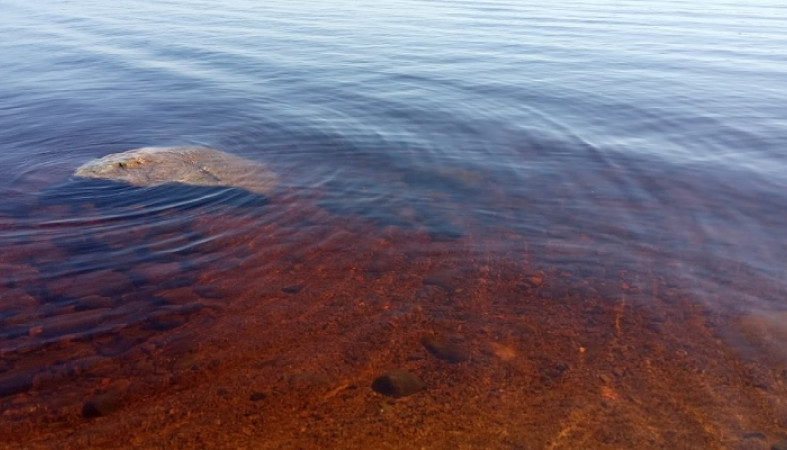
{"points": [[637, 137]]}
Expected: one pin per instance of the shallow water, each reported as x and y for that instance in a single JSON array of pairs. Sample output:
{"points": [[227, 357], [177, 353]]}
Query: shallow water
{"points": [[447, 161]]}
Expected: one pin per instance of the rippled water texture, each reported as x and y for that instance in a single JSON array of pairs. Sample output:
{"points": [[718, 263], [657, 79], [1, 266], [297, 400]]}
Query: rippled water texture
{"points": [[566, 218]]}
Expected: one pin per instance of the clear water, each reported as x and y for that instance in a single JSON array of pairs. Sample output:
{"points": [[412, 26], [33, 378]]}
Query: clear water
{"points": [[599, 138]]}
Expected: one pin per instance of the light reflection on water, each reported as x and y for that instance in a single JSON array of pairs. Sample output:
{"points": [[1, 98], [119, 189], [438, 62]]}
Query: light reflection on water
{"points": [[628, 153]]}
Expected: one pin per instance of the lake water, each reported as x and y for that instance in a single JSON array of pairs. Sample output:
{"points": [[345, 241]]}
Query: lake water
{"points": [[586, 200]]}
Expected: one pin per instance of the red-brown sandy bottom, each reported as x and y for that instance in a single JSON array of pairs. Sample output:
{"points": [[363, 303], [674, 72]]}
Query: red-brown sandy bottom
{"points": [[288, 358]]}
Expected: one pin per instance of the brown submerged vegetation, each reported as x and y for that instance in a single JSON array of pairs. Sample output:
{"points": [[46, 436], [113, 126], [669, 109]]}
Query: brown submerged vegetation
{"points": [[279, 348]]}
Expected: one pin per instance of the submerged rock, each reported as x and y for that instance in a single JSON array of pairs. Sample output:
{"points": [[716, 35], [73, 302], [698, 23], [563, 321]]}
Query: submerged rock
{"points": [[198, 166], [398, 383], [102, 404], [293, 289], [767, 329], [445, 349]]}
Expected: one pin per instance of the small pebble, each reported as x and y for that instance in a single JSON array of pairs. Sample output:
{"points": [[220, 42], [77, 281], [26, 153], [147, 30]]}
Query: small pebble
{"points": [[102, 404], [398, 383], [15, 383], [445, 279], [445, 349], [756, 435], [257, 396], [294, 289], [164, 321], [535, 281]]}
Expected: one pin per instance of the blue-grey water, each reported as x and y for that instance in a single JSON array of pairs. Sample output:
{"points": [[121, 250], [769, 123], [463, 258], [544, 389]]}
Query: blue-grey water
{"points": [[639, 137]]}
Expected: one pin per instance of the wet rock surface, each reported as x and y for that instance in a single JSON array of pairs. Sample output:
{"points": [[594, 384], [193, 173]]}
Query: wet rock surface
{"points": [[199, 166]]}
